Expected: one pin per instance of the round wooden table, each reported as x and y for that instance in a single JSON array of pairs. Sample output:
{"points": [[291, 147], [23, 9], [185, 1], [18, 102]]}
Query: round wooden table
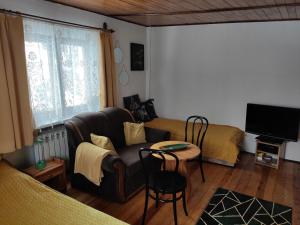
{"points": [[191, 152]]}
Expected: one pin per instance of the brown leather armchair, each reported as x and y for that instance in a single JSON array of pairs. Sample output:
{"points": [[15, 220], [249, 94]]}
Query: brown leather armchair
{"points": [[123, 175]]}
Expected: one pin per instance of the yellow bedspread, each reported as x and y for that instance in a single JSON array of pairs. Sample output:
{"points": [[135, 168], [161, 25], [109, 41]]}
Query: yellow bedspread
{"points": [[25, 201], [220, 143]]}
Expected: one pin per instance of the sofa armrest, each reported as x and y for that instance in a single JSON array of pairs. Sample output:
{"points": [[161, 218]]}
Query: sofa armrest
{"points": [[155, 135]]}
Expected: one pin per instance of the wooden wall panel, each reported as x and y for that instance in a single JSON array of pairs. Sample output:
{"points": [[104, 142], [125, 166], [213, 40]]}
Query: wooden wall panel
{"points": [[298, 12], [292, 12], [284, 12]]}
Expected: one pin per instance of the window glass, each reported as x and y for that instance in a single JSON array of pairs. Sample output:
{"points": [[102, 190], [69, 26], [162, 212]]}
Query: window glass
{"points": [[63, 70]]}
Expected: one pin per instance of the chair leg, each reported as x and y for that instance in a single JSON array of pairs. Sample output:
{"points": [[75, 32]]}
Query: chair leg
{"points": [[156, 199], [184, 203], [146, 205], [174, 208], [201, 168]]}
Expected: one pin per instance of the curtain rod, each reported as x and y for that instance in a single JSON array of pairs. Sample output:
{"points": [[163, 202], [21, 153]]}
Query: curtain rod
{"points": [[26, 15]]}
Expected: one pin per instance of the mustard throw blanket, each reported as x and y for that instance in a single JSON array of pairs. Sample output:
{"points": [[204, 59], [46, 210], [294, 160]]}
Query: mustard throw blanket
{"points": [[88, 161], [220, 143], [25, 201]]}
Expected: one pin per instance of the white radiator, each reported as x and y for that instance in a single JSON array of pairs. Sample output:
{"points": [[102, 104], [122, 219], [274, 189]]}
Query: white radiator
{"points": [[51, 143]]}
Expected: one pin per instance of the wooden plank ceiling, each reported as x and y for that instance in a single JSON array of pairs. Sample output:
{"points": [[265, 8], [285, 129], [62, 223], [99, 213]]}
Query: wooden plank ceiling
{"points": [[184, 12]]}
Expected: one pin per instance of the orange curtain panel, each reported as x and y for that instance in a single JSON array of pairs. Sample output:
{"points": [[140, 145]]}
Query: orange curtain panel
{"points": [[16, 128], [108, 87]]}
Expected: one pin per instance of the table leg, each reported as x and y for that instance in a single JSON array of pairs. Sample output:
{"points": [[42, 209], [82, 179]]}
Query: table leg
{"points": [[183, 170]]}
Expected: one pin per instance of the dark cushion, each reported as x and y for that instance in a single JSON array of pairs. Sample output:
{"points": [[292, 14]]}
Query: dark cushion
{"points": [[141, 114], [150, 109], [132, 102], [142, 111], [130, 157]]}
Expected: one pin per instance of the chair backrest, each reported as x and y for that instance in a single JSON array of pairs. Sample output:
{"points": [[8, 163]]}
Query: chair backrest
{"points": [[146, 153], [196, 125]]}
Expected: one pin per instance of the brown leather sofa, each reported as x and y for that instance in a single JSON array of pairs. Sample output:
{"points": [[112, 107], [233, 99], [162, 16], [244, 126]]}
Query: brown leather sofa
{"points": [[123, 175]]}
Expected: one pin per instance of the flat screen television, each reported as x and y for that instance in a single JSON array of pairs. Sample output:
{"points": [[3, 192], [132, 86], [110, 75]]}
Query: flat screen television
{"points": [[273, 121]]}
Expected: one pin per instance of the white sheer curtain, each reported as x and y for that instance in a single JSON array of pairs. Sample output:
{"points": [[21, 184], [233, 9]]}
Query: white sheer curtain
{"points": [[63, 70]]}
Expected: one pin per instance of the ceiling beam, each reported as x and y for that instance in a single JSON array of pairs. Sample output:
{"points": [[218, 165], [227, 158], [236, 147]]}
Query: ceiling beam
{"points": [[207, 10], [225, 22]]}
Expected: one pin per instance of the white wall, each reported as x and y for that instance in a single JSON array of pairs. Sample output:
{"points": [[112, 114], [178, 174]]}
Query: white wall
{"points": [[215, 70], [124, 34]]}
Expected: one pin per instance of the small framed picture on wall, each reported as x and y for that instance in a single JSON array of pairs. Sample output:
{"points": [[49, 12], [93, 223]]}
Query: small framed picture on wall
{"points": [[137, 57]]}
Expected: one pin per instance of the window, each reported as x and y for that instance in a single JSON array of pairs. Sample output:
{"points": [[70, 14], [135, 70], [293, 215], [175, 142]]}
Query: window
{"points": [[63, 70]]}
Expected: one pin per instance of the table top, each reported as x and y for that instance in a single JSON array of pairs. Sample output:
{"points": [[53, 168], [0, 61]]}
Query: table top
{"points": [[192, 151], [51, 165]]}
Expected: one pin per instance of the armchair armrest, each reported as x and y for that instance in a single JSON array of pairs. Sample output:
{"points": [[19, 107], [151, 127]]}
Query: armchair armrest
{"points": [[111, 162], [156, 135], [114, 165]]}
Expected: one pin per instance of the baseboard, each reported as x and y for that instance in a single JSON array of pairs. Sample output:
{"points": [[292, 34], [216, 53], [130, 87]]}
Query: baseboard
{"points": [[288, 160], [224, 163], [293, 161]]}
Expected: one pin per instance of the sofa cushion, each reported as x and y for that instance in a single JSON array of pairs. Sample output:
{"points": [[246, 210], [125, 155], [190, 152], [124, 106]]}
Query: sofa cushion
{"points": [[102, 142], [130, 157], [134, 133]]}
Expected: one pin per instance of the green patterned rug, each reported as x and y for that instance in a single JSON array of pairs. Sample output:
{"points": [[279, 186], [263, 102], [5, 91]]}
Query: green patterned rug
{"points": [[230, 208]]}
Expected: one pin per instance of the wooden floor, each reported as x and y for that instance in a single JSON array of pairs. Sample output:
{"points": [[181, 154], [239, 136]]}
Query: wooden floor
{"points": [[281, 186]]}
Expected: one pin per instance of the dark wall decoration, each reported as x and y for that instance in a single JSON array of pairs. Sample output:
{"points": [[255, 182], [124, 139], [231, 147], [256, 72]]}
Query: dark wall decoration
{"points": [[137, 56]]}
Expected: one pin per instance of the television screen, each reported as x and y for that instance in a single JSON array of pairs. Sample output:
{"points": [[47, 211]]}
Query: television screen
{"points": [[273, 121]]}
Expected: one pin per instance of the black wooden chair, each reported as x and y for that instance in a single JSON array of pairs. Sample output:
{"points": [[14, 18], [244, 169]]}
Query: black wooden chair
{"points": [[162, 181], [191, 129]]}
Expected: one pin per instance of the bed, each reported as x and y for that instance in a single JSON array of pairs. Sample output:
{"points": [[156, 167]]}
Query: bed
{"points": [[221, 143], [26, 201]]}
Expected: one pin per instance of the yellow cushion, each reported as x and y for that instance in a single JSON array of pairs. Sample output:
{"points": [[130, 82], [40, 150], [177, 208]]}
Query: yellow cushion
{"points": [[102, 142], [134, 133]]}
